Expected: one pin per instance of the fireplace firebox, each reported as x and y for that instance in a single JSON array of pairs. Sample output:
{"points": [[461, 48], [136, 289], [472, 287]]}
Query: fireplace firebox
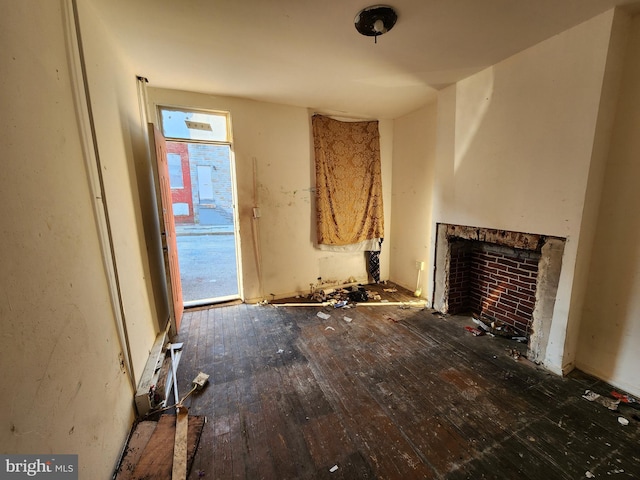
{"points": [[506, 276]]}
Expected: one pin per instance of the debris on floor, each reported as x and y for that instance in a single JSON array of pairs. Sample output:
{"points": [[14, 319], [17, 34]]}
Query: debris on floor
{"points": [[323, 315], [626, 399], [495, 328], [351, 295], [475, 331], [481, 324], [358, 295], [333, 469], [610, 403], [514, 353], [623, 421]]}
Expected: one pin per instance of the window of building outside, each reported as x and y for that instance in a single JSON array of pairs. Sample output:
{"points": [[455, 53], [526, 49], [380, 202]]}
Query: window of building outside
{"points": [[175, 170]]}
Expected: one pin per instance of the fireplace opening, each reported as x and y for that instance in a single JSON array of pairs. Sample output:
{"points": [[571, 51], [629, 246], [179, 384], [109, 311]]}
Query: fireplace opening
{"points": [[499, 275], [494, 282]]}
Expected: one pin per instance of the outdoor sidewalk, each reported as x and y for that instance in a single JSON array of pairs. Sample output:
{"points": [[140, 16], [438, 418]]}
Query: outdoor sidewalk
{"points": [[197, 229]]}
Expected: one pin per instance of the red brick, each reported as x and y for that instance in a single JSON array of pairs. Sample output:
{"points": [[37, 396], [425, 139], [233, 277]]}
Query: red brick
{"points": [[531, 268], [507, 262]]}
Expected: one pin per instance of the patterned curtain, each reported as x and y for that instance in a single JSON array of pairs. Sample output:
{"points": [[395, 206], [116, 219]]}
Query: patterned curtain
{"points": [[348, 181]]}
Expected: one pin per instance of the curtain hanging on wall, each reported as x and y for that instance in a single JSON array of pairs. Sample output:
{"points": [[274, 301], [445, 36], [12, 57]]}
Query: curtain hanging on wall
{"points": [[349, 206]]}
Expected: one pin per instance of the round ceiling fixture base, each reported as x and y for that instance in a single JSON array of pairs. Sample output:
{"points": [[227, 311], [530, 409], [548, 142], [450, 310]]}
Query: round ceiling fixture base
{"points": [[375, 20]]}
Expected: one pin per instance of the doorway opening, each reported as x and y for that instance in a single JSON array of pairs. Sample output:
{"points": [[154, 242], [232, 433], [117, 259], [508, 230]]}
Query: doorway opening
{"points": [[203, 196]]}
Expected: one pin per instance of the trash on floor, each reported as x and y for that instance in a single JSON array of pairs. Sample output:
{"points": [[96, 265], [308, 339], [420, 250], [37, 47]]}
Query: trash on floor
{"points": [[323, 315], [358, 295], [347, 319], [627, 399], [350, 295], [514, 353], [493, 327], [623, 421], [334, 468], [475, 331], [330, 328], [604, 401]]}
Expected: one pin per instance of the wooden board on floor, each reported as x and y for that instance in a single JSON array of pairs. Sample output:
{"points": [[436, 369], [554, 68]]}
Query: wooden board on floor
{"points": [[156, 460], [137, 443], [179, 470]]}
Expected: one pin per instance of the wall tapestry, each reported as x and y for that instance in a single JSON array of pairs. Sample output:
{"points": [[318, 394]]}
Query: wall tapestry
{"points": [[349, 206]]}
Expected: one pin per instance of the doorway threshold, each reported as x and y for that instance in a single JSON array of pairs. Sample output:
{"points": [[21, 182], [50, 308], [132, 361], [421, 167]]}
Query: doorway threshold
{"points": [[213, 302]]}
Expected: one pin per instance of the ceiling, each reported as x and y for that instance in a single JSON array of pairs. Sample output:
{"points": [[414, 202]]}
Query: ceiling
{"points": [[308, 53]]}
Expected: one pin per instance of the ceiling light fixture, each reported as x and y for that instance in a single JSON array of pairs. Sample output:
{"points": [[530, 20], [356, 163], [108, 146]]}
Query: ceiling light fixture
{"points": [[375, 20]]}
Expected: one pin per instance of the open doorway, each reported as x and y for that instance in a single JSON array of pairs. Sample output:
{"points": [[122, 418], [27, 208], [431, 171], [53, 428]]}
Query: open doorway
{"points": [[203, 195]]}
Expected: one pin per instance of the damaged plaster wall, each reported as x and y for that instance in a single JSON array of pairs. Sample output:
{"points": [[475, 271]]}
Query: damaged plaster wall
{"points": [[277, 140], [65, 391], [610, 329], [515, 144], [414, 148]]}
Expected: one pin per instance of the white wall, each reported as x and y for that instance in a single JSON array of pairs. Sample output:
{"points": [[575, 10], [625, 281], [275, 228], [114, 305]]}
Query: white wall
{"points": [[64, 390], [277, 139], [414, 148], [610, 329], [518, 153], [114, 100]]}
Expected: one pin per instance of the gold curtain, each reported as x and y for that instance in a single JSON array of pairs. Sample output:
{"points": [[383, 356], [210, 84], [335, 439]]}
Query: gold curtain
{"points": [[348, 181]]}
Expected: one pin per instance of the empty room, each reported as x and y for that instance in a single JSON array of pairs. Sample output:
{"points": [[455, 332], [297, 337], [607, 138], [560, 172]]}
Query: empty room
{"points": [[293, 239]]}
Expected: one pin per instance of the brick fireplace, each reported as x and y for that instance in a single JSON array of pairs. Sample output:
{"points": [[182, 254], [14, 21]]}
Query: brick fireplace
{"points": [[493, 281], [511, 277]]}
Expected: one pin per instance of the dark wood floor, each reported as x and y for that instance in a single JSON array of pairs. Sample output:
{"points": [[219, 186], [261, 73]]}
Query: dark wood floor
{"points": [[395, 393]]}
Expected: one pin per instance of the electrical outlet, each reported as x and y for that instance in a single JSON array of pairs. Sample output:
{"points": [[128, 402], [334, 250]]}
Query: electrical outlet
{"points": [[419, 265]]}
